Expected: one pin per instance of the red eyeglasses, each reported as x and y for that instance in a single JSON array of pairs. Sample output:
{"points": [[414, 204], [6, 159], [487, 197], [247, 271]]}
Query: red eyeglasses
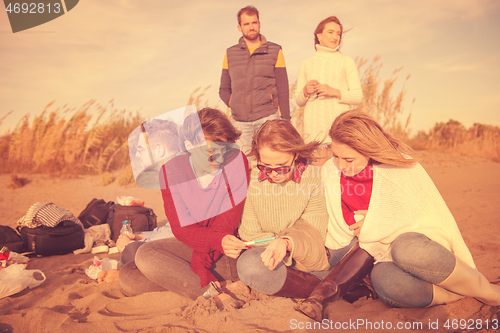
{"points": [[282, 170]]}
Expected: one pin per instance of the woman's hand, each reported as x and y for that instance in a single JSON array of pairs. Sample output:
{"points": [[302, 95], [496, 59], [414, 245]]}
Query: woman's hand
{"points": [[310, 88], [232, 246], [124, 239], [356, 227], [274, 253], [326, 90]]}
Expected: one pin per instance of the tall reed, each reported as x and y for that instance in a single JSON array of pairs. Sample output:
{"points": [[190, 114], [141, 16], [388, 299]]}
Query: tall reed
{"points": [[52, 143], [379, 98]]}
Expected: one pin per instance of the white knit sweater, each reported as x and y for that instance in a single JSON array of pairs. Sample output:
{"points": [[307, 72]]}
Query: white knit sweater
{"points": [[338, 71], [403, 199]]}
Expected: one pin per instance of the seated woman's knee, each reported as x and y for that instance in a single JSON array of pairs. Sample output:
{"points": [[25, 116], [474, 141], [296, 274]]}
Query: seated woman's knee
{"points": [[398, 288], [128, 253], [250, 265], [407, 246]]}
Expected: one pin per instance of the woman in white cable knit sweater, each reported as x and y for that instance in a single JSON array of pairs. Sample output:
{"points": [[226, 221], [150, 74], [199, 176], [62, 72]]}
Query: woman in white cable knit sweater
{"points": [[420, 256], [328, 82]]}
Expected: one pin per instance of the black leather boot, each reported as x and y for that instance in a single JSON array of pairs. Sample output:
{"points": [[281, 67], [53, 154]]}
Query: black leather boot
{"points": [[348, 273]]}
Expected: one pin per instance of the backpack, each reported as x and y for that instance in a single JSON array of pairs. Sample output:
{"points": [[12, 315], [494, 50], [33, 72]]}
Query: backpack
{"points": [[65, 237], [95, 213], [140, 219], [10, 238]]}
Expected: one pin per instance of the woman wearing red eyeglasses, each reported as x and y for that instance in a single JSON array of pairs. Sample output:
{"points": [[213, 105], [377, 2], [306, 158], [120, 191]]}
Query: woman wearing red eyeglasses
{"points": [[284, 200]]}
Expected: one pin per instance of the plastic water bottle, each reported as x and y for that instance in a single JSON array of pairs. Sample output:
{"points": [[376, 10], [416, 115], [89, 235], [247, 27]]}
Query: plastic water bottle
{"points": [[126, 229]]}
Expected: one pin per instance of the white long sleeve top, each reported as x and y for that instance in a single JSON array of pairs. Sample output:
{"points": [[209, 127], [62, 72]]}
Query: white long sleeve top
{"points": [[338, 71]]}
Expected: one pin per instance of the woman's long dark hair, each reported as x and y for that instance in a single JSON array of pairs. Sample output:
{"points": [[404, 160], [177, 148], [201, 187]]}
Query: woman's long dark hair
{"points": [[210, 123]]}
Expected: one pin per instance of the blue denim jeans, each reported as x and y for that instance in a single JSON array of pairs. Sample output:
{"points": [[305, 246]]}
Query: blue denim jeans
{"points": [[253, 272], [164, 264], [128, 253], [418, 263], [248, 129]]}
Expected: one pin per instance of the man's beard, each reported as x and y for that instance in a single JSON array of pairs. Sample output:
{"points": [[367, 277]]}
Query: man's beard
{"points": [[252, 36]]}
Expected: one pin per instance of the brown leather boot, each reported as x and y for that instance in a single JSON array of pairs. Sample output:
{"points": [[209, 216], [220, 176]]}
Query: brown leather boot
{"points": [[362, 289], [350, 271], [298, 284]]}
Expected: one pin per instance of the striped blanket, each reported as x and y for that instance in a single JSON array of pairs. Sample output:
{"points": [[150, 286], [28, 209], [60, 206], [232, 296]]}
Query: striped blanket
{"points": [[46, 213]]}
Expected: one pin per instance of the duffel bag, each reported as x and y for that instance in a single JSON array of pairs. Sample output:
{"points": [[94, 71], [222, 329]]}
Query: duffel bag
{"points": [[139, 218], [10, 238], [65, 237], [95, 213]]}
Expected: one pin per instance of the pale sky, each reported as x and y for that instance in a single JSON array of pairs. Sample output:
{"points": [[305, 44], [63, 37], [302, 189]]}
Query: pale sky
{"points": [[149, 55]]}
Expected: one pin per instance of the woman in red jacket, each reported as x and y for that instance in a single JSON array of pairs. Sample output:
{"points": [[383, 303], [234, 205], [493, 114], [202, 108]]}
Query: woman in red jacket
{"points": [[203, 193]]}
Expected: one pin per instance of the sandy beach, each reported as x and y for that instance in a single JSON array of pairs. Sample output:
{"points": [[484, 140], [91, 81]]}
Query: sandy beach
{"points": [[70, 301]]}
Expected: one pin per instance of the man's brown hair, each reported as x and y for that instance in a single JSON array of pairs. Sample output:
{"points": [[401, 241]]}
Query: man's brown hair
{"points": [[249, 10]]}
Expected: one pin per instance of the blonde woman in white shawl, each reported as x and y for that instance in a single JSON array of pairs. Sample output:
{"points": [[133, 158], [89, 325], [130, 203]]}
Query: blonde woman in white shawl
{"points": [[377, 192]]}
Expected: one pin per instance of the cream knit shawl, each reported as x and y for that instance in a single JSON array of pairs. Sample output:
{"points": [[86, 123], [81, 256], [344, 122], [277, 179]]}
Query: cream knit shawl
{"points": [[404, 199]]}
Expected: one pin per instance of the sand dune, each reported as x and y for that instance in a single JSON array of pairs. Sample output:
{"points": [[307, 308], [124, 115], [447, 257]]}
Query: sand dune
{"points": [[69, 301]]}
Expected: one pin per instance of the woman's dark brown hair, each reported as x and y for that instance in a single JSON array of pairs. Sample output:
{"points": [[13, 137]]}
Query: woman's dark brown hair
{"points": [[321, 27], [210, 123]]}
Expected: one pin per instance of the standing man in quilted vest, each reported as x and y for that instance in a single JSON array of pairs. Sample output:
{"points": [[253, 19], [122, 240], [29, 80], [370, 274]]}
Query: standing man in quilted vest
{"points": [[254, 83]]}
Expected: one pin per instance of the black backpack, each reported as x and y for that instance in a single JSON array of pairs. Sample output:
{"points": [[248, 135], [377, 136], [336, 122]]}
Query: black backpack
{"points": [[10, 238], [65, 237], [95, 213], [139, 218]]}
